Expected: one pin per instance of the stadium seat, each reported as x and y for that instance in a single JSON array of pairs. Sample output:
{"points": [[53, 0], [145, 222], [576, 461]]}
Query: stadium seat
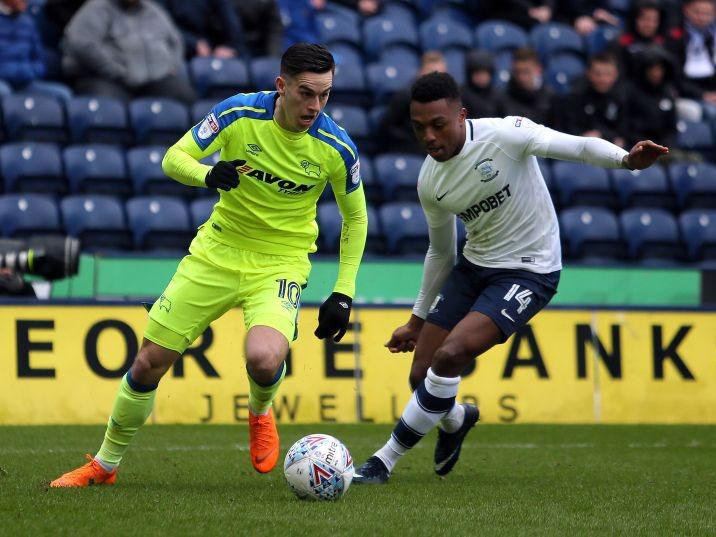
{"points": [[405, 228], [97, 220], [22, 215], [158, 121], [148, 178], [499, 36], [563, 69], [387, 78], [376, 242], [591, 234], [381, 31], [456, 61], [346, 54], [34, 117], [97, 169], [200, 109], [219, 78], [694, 136], [652, 235], [551, 38], [5, 88], [159, 223], [442, 32], [200, 209], [338, 27], [263, 72], [99, 120], [32, 167], [694, 185], [398, 174], [698, 228], [349, 84], [354, 120], [644, 188], [581, 184], [330, 223], [49, 88], [599, 39], [401, 55]]}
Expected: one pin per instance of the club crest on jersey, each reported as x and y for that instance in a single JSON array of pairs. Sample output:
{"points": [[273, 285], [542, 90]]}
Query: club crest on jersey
{"points": [[208, 127], [310, 168], [355, 173], [486, 171]]}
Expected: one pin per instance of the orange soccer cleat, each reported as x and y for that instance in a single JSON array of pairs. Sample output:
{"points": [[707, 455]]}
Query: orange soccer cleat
{"points": [[263, 441], [84, 476]]}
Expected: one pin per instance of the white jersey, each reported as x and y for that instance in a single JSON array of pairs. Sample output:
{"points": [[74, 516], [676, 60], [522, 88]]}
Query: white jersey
{"points": [[494, 185]]}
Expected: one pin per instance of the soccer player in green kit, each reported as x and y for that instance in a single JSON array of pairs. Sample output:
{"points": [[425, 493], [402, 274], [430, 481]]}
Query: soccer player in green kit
{"points": [[278, 152]]}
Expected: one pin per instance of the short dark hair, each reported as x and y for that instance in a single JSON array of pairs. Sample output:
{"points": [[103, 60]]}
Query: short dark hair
{"points": [[302, 57], [525, 54], [603, 57], [433, 87]]}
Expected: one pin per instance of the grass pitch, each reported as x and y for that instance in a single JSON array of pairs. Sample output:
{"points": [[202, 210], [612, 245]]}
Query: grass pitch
{"points": [[511, 480]]}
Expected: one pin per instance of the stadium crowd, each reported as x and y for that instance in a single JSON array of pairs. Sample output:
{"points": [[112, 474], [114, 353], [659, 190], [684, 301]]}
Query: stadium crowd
{"points": [[93, 91]]}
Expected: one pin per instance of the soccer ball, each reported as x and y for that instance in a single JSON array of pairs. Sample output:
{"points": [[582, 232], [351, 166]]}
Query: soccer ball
{"points": [[318, 467]]}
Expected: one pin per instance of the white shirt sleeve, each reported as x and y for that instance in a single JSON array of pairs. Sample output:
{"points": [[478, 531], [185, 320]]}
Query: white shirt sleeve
{"points": [[520, 137], [441, 254]]}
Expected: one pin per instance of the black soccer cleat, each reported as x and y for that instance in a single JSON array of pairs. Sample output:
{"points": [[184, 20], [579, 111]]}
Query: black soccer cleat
{"points": [[447, 450], [372, 472]]}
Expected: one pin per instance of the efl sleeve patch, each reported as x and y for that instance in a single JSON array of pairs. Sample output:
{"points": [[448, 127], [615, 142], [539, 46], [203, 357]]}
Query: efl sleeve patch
{"points": [[205, 132]]}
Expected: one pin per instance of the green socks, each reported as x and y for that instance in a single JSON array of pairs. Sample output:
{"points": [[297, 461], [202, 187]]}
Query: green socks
{"points": [[261, 395], [132, 407]]}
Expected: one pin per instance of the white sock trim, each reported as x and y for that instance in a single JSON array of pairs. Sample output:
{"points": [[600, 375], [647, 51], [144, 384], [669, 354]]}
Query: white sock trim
{"points": [[442, 387]]}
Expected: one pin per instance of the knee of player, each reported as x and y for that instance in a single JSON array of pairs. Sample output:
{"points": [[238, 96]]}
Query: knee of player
{"points": [[451, 356], [263, 361], [416, 377]]}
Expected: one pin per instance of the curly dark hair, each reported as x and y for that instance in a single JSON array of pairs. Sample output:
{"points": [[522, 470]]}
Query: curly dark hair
{"points": [[433, 87]]}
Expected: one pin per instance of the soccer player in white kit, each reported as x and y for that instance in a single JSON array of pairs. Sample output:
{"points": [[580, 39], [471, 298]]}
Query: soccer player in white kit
{"points": [[485, 172]]}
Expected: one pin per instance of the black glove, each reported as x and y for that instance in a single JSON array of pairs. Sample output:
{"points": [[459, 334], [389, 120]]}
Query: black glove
{"points": [[333, 317], [223, 175]]}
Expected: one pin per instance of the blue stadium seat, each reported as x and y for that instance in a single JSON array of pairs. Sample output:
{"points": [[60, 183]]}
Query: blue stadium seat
{"points": [[159, 223], [5, 88], [263, 72], [375, 242], [158, 121], [599, 39], [47, 88], [200, 209], [398, 174], [354, 120], [98, 221], [563, 69], [698, 228], [405, 228], [694, 184], [591, 234], [200, 109], [400, 55], [34, 117], [581, 184], [219, 78], [694, 136], [385, 79], [443, 32], [99, 120], [456, 61], [148, 178], [349, 84], [329, 225], [338, 27], [381, 31], [644, 188], [551, 38], [652, 235], [346, 54], [22, 215], [32, 167], [499, 36], [97, 169]]}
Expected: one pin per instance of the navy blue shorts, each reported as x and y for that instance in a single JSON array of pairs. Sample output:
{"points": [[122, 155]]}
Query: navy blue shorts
{"points": [[510, 297]]}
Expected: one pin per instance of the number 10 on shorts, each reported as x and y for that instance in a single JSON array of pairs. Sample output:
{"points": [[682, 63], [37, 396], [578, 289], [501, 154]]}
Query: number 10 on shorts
{"points": [[290, 291]]}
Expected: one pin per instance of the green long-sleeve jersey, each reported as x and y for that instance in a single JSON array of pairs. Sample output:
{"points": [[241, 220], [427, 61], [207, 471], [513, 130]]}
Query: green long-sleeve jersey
{"points": [[282, 175]]}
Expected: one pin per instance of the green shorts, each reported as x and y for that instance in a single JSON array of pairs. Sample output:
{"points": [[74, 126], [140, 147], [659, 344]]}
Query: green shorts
{"points": [[214, 278]]}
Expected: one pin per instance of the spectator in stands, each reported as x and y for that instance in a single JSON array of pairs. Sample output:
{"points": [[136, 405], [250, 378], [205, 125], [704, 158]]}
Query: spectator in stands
{"points": [[299, 20], [209, 27], [366, 8], [526, 94], [586, 15], [396, 126], [652, 97], [20, 45], [126, 49], [525, 13], [262, 28], [477, 93], [646, 26], [694, 46], [597, 105], [57, 15]]}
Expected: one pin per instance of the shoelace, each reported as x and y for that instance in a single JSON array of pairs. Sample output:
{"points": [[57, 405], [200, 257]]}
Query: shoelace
{"points": [[263, 431]]}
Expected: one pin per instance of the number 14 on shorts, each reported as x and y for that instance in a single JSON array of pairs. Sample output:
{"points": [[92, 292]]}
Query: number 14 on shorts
{"points": [[523, 297]]}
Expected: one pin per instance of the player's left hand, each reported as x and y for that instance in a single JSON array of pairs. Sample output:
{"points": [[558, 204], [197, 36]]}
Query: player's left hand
{"points": [[644, 154], [333, 317]]}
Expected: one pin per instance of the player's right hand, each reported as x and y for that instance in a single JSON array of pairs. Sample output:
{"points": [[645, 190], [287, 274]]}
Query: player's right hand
{"points": [[223, 175], [403, 339]]}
